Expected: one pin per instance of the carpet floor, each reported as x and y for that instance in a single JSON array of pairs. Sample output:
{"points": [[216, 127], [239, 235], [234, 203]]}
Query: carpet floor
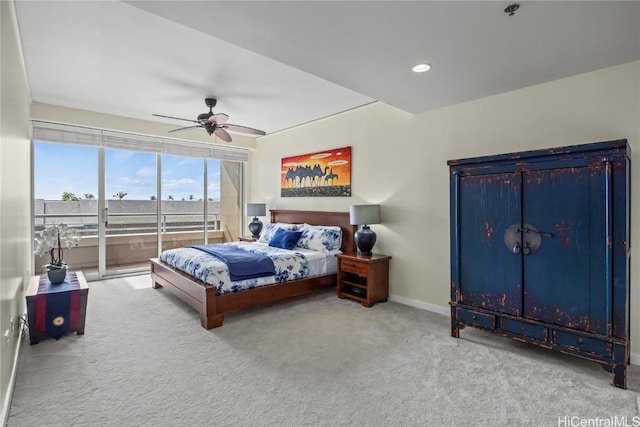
{"points": [[315, 360]]}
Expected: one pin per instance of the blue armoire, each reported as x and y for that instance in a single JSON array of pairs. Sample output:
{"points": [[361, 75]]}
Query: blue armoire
{"points": [[540, 249]]}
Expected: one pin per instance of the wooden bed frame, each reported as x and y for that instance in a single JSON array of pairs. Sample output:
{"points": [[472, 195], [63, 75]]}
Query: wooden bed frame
{"points": [[212, 307]]}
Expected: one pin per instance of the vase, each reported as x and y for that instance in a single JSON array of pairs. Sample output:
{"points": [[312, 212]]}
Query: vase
{"points": [[57, 275]]}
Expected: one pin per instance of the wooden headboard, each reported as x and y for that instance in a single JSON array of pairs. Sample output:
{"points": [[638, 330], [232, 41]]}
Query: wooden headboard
{"points": [[340, 219]]}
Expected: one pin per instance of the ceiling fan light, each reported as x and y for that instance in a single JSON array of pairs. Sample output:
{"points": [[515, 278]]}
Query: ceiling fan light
{"points": [[215, 124], [421, 68]]}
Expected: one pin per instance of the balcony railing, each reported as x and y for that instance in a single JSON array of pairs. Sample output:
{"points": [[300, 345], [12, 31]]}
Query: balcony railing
{"points": [[131, 237], [131, 222]]}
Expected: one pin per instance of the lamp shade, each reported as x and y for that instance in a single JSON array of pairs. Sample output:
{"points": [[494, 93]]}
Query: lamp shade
{"points": [[256, 209], [364, 214]]}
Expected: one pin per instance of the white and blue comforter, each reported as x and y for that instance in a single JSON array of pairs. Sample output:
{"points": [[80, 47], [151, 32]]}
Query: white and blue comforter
{"points": [[289, 265]]}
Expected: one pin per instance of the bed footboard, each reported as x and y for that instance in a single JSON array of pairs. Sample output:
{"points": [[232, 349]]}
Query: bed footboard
{"points": [[212, 307], [197, 295]]}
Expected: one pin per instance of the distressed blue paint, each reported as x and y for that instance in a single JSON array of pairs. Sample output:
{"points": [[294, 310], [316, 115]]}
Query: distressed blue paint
{"points": [[455, 235], [570, 295], [526, 330], [477, 319], [488, 205], [566, 274], [608, 209]]}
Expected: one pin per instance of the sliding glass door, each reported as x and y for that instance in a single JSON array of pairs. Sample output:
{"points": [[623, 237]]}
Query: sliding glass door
{"points": [[130, 197], [182, 191], [130, 210], [65, 189]]}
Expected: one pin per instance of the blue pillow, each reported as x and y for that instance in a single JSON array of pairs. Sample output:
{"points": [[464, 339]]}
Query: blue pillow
{"points": [[285, 239]]}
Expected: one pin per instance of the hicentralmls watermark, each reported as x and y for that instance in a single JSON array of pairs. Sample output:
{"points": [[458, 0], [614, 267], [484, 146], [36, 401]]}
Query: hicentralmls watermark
{"points": [[615, 421]]}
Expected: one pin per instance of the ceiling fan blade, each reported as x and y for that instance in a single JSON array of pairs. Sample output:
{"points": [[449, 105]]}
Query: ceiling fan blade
{"points": [[176, 118], [222, 134], [243, 129], [188, 127], [219, 118]]}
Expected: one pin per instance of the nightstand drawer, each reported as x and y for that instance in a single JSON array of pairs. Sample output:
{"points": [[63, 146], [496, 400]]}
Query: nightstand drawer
{"points": [[354, 267]]}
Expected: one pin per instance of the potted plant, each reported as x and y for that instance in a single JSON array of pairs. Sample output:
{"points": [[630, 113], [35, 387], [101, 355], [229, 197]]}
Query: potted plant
{"points": [[52, 240]]}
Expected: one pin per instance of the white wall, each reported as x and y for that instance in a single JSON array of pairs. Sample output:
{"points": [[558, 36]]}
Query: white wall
{"points": [[399, 161], [15, 193]]}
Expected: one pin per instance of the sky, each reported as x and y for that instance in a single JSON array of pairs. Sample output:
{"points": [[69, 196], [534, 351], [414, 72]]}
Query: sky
{"points": [[71, 168]]}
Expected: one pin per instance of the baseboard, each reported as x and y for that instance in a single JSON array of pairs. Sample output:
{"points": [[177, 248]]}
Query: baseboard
{"points": [[634, 359], [446, 311], [6, 404]]}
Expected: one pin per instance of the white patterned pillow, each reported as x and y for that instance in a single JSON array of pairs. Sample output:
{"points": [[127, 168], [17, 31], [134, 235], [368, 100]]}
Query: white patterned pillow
{"points": [[270, 229], [320, 238]]}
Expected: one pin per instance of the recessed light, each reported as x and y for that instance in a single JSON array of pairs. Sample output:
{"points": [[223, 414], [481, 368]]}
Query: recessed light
{"points": [[421, 68]]}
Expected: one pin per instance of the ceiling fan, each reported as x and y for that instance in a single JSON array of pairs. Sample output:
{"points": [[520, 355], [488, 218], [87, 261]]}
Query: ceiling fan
{"points": [[215, 124]]}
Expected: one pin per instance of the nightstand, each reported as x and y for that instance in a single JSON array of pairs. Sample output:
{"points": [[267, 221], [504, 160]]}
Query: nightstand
{"points": [[53, 310], [363, 278], [247, 239]]}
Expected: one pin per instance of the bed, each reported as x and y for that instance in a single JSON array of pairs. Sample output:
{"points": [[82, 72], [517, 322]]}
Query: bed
{"points": [[213, 306]]}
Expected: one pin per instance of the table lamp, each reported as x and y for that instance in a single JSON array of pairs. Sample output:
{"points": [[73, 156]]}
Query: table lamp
{"points": [[364, 215], [256, 210]]}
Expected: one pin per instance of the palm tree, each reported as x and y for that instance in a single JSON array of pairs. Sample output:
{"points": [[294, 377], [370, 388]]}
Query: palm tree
{"points": [[69, 197]]}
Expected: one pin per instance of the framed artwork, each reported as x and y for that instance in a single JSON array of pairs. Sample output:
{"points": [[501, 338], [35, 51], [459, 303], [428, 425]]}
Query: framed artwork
{"points": [[323, 174]]}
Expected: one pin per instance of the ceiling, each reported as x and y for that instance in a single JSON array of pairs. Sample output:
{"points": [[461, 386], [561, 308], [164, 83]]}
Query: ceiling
{"points": [[277, 64]]}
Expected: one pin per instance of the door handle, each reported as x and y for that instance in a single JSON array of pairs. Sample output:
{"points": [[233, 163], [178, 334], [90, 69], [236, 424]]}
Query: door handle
{"points": [[523, 238], [541, 233], [105, 217]]}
